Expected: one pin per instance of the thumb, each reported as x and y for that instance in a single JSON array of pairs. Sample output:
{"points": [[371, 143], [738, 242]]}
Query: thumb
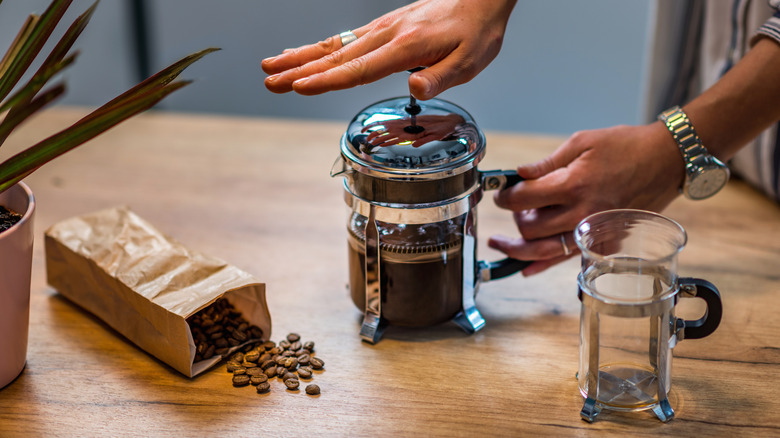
{"points": [[423, 85]]}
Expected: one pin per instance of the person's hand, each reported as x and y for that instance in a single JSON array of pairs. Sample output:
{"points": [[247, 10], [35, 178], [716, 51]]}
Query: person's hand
{"points": [[455, 39], [619, 167], [431, 128]]}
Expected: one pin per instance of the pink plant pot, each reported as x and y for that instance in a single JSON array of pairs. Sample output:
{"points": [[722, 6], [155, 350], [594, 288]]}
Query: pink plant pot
{"points": [[16, 246]]}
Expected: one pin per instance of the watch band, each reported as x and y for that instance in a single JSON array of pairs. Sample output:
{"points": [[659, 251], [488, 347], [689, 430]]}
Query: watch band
{"points": [[705, 175], [693, 151]]}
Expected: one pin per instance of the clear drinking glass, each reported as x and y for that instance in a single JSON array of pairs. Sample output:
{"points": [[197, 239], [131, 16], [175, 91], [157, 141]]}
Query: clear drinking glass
{"points": [[628, 286]]}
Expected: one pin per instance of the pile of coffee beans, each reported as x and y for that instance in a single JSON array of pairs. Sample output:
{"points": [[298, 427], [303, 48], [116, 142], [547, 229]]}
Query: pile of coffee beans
{"points": [[8, 218], [220, 327], [290, 361]]}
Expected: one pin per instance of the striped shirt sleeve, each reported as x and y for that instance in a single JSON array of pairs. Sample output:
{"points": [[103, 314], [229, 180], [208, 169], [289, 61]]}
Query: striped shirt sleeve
{"points": [[771, 28]]}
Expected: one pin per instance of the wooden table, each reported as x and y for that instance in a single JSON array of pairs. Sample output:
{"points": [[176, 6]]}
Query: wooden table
{"points": [[257, 193]]}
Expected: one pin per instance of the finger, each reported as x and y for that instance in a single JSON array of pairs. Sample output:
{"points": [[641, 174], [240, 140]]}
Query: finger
{"points": [[546, 191], [291, 58], [360, 63], [542, 223], [567, 152], [438, 77], [542, 265], [539, 249]]}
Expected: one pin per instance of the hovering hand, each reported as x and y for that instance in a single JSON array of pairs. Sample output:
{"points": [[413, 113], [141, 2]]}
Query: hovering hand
{"points": [[455, 39]]}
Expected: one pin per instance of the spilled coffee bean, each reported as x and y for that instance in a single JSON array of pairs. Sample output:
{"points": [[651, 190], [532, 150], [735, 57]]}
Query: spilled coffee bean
{"points": [[290, 360]]}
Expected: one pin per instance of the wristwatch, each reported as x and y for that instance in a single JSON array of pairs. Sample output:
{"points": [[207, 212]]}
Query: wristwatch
{"points": [[705, 175]]}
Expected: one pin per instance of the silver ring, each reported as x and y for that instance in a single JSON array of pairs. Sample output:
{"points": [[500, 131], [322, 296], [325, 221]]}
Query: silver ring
{"points": [[347, 37], [566, 250]]}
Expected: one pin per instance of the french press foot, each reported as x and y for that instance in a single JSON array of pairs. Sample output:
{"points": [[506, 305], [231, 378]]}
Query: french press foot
{"points": [[372, 328]]}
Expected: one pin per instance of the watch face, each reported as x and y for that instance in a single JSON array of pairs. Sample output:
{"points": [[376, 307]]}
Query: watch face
{"points": [[708, 182]]}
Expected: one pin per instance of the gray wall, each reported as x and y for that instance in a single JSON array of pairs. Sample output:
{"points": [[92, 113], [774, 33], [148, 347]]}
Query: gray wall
{"points": [[566, 65]]}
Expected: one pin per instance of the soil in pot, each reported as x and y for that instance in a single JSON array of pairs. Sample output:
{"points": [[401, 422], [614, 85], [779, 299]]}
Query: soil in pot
{"points": [[8, 218]]}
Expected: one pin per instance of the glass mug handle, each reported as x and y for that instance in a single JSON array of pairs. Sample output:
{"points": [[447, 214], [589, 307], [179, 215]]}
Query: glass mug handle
{"points": [[704, 326], [500, 180]]}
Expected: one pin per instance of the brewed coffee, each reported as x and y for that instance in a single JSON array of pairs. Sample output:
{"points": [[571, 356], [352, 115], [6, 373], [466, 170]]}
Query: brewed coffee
{"points": [[421, 270]]}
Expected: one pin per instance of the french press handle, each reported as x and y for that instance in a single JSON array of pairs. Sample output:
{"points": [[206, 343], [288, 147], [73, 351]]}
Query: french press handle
{"points": [[500, 180], [704, 326]]}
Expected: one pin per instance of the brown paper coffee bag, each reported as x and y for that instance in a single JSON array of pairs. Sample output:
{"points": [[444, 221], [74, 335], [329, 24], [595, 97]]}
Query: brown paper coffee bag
{"points": [[144, 284]]}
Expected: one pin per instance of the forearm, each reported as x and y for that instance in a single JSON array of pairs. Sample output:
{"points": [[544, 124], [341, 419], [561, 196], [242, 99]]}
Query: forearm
{"points": [[744, 102]]}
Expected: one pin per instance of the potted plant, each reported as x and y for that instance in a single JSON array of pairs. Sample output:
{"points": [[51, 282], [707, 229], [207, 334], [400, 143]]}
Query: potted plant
{"points": [[18, 101]]}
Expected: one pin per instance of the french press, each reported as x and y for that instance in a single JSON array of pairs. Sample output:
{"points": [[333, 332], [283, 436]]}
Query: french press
{"points": [[412, 186], [629, 288]]}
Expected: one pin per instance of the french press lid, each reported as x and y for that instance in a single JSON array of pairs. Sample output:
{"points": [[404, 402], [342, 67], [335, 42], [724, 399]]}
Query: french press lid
{"points": [[401, 138]]}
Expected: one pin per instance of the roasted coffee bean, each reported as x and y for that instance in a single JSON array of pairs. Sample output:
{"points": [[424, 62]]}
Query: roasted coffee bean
{"points": [[256, 380], [239, 370], [247, 364], [316, 363], [263, 387], [293, 337], [292, 384], [263, 357], [281, 371], [312, 389], [295, 346], [238, 357], [289, 375], [252, 356], [301, 352], [256, 371], [304, 372], [240, 380], [256, 332], [275, 351], [304, 359], [268, 364], [284, 345], [218, 328], [288, 353], [281, 360], [239, 336], [268, 345], [309, 346], [291, 363]]}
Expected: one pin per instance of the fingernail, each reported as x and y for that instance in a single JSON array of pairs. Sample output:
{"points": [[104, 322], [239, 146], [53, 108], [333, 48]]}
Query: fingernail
{"points": [[272, 78], [300, 82]]}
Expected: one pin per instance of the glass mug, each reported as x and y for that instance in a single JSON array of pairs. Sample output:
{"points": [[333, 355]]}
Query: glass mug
{"points": [[628, 286]]}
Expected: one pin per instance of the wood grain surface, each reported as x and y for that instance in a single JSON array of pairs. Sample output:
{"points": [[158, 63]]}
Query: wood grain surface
{"points": [[257, 193]]}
